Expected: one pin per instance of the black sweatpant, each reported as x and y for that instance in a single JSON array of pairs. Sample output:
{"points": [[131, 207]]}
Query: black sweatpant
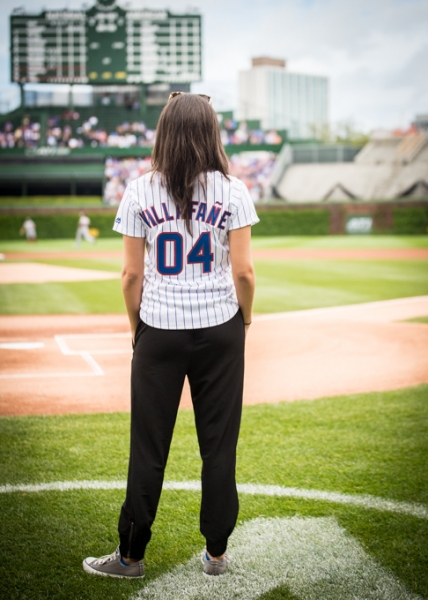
{"points": [[213, 360]]}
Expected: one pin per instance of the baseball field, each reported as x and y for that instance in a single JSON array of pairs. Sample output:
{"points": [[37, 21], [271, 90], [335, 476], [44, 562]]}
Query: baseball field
{"points": [[332, 459]]}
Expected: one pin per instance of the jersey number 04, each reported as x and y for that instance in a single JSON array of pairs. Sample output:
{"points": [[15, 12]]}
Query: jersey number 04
{"points": [[170, 253]]}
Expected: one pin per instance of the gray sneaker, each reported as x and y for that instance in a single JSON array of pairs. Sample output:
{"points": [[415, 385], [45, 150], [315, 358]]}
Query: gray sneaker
{"points": [[214, 567], [111, 566]]}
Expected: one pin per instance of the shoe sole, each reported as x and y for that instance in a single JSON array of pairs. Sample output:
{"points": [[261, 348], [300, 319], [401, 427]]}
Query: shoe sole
{"points": [[211, 574], [88, 569]]}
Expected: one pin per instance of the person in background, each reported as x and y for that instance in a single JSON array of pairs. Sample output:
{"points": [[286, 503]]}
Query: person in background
{"points": [[29, 228], [188, 284], [83, 229]]}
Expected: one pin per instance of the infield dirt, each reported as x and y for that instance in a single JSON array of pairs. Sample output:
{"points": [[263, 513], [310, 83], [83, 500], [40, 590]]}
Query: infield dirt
{"points": [[83, 363]]}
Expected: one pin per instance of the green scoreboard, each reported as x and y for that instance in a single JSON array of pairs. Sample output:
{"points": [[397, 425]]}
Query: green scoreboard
{"points": [[105, 44]]}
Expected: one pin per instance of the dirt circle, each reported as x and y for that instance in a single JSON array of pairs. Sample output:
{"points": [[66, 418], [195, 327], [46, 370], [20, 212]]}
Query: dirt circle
{"points": [[81, 363]]}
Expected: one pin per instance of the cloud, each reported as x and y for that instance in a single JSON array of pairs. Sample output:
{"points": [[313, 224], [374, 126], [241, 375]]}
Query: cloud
{"points": [[374, 51]]}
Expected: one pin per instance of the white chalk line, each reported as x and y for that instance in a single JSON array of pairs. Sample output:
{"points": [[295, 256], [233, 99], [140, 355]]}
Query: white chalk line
{"points": [[85, 355], [21, 345], [97, 371], [61, 340], [315, 558], [368, 501], [49, 375]]}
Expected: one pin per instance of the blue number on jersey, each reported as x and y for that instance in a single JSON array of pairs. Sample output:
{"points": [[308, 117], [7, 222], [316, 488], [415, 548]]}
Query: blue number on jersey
{"points": [[201, 252], [177, 253]]}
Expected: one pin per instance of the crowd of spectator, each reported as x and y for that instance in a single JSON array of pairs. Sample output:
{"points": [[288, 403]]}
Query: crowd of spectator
{"points": [[253, 168], [89, 133], [119, 172], [235, 133], [26, 135], [67, 130]]}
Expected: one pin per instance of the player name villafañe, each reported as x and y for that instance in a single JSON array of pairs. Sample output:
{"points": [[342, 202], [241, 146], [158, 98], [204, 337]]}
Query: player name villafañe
{"points": [[214, 216]]}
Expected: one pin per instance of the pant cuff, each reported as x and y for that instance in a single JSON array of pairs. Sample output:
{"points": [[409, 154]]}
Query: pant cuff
{"points": [[217, 548]]}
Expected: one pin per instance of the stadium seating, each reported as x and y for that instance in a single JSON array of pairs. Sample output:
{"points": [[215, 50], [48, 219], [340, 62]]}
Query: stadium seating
{"points": [[385, 169], [105, 127], [254, 168]]}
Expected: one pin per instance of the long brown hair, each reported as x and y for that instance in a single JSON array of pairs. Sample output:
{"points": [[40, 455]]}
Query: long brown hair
{"points": [[187, 144]]}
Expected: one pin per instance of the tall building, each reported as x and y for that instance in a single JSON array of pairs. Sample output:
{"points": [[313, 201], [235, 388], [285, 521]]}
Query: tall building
{"points": [[283, 100], [421, 123]]}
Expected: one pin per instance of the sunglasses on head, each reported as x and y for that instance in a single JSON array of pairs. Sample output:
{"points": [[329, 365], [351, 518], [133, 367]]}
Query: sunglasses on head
{"points": [[174, 94]]}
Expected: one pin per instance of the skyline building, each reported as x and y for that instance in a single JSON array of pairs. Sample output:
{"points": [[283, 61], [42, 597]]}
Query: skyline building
{"points": [[283, 100]]}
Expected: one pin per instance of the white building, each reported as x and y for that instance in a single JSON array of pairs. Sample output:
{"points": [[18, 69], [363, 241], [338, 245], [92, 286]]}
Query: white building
{"points": [[283, 100]]}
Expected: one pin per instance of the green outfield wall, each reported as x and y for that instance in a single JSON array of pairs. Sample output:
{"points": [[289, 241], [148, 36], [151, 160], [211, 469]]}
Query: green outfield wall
{"points": [[63, 225], [275, 220]]}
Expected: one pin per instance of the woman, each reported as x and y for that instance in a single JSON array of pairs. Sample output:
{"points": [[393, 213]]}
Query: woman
{"points": [[188, 285]]}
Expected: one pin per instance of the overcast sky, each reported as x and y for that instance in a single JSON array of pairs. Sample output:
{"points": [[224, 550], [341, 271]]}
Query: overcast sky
{"points": [[375, 52]]}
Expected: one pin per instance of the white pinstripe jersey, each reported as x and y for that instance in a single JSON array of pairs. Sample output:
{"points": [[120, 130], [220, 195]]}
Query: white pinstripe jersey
{"points": [[187, 279]]}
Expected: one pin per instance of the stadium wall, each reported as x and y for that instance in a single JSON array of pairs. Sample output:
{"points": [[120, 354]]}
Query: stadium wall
{"points": [[409, 218], [61, 171]]}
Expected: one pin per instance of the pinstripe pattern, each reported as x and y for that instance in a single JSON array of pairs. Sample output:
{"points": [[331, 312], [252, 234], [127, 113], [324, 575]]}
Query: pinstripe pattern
{"points": [[192, 298]]}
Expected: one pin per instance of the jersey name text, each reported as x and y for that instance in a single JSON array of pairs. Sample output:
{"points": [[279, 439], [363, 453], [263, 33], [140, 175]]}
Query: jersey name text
{"points": [[200, 212]]}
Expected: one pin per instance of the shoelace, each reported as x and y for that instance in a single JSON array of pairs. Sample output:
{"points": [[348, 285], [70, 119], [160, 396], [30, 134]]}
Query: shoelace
{"points": [[212, 560], [105, 559]]}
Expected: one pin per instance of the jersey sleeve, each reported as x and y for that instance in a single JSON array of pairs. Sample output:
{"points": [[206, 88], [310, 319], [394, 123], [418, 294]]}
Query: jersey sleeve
{"points": [[128, 220], [244, 213]]}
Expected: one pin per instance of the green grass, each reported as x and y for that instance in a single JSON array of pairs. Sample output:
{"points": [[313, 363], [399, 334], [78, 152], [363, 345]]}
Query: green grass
{"points": [[97, 262], [281, 285], [329, 242], [304, 284], [44, 201], [419, 320], [65, 245], [342, 241], [365, 444], [368, 443], [80, 297]]}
